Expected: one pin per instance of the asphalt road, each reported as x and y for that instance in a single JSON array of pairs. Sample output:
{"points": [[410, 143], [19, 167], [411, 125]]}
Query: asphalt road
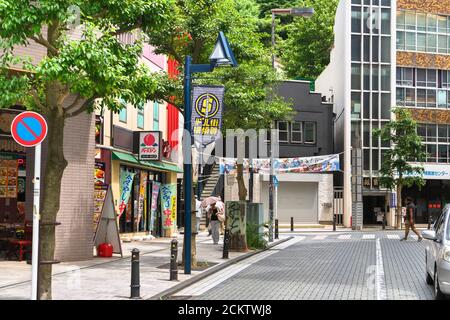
{"points": [[325, 266]]}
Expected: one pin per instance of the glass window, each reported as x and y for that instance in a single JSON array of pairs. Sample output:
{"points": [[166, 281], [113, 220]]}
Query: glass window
{"points": [[442, 133], [445, 79], [375, 159], [442, 44], [375, 48], [367, 77], [375, 106], [431, 43], [421, 98], [421, 77], [155, 115], [366, 134], [410, 41], [296, 132], [442, 99], [366, 105], [366, 20], [400, 19], [442, 153], [385, 78], [385, 49], [400, 40], [366, 159], [410, 95], [442, 24], [385, 21], [356, 105], [431, 98], [123, 113], [410, 20], [384, 144], [422, 42], [356, 19], [431, 78], [310, 132], [385, 106], [356, 76], [283, 131], [431, 133], [421, 22], [356, 48], [366, 48], [432, 24], [375, 78], [422, 131], [401, 96], [140, 117], [431, 150]]}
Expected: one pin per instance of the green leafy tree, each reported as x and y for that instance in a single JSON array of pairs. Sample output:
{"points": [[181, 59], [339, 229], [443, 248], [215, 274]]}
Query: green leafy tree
{"points": [[250, 101], [74, 76], [401, 166], [306, 51]]}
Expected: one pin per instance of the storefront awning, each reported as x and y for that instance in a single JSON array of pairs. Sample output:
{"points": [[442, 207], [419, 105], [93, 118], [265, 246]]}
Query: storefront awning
{"points": [[158, 165]]}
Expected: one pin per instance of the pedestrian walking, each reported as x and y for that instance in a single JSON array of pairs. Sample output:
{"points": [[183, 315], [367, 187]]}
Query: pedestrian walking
{"points": [[409, 219], [214, 222], [198, 213]]}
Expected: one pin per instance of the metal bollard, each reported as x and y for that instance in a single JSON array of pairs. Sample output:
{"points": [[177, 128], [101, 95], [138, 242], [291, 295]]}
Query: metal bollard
{"points": [[292, 224], [226, 244], [173, 260], [334, 222], [135, 281], [384, 221], [276, 228]]}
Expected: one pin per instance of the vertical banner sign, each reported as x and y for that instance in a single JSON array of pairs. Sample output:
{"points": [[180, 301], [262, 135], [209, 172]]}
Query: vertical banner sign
{"points": [[155, 193], [207, 105], [142, 191], [168, 195], [126, 184]]}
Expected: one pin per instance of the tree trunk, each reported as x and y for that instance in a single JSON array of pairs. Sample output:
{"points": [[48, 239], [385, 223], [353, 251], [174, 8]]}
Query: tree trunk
{"points": [[398, 222], [238, 241], [54, 169]]}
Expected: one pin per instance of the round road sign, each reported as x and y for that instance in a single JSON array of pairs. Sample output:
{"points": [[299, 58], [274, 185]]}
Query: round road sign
{"points": [[29, 129]]}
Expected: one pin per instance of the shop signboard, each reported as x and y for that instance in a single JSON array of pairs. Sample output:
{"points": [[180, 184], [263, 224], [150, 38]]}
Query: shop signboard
{"points": [[168, 205], [207, 109], [155, 193], [126, 184], [434, 171], [99, 200], [99, 177], [150, 143]]}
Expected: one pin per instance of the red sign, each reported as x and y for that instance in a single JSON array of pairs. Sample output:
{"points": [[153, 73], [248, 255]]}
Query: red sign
{"points": [[29, 129]]}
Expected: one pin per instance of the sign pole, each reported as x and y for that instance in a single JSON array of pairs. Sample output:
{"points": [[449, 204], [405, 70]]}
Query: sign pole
{"points": [[36, 218]]}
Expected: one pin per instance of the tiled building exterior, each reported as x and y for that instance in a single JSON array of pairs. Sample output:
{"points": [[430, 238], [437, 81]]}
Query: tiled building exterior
{"points": [[395, 53]]}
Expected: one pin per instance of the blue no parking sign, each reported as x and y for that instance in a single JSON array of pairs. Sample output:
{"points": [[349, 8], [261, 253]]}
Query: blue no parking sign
{"points": [[29, 129]]}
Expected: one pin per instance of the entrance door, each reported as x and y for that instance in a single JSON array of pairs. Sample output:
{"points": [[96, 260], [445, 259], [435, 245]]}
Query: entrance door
{"points": [[373, 208]]}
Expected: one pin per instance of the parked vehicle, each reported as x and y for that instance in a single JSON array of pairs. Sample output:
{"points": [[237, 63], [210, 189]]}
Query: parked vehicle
{"points": [[438, 255]]}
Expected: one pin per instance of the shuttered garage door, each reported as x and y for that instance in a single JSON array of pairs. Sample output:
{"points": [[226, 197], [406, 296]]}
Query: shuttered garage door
{"points": [[295, 199]]}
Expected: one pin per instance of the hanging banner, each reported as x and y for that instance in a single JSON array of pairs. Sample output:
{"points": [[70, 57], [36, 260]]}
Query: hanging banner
{"points": [[142, 191], [207, 105], [168, 196], [155, 193], [126, 184], [319, 164]]}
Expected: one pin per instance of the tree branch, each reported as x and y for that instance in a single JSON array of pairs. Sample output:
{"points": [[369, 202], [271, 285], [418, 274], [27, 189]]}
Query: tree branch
{"points": [[36, 99], [80, 110], [74, 104], [40, 40]]}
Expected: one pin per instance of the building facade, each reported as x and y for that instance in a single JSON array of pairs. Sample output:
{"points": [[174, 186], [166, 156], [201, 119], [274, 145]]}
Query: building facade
{"points": [[389, 53], [307, 197]]}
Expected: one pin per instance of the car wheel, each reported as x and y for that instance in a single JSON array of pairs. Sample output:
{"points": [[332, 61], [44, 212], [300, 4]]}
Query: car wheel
{"points": [[438, 295]]}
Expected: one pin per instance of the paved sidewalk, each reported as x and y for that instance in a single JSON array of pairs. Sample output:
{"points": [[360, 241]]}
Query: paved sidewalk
{"points": [[109, 278]]}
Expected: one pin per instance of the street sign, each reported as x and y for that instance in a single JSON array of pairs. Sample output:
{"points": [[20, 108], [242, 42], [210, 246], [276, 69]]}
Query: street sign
{"points": [[29, 129]]}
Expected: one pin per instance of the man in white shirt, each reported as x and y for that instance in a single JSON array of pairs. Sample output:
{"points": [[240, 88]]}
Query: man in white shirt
{"points": [[198, 213]]}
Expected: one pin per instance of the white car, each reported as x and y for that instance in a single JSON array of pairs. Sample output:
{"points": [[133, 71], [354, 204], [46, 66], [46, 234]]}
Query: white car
{"points": [[438, 255]]}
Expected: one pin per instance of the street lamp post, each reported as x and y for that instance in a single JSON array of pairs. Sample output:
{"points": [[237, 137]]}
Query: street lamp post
{"points": [[222, 56], [299, 12]]}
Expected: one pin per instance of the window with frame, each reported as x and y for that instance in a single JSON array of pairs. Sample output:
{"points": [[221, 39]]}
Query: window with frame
{"points": [[310, 132], [123, 114], [155, 116], [283, 131], [296, 132], [140, 116]]}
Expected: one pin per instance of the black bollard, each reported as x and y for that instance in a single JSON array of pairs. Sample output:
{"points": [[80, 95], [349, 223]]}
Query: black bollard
{"points": [[135, 281], [276, 228], [334, 222], [173, 260], [292, 224], [226, 243]]}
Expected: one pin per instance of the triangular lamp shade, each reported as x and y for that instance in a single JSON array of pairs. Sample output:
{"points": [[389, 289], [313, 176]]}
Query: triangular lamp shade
{"points": [[222, 53]]}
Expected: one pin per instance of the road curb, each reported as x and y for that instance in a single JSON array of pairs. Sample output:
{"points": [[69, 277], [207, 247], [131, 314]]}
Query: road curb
{"points": [[166, 293]]}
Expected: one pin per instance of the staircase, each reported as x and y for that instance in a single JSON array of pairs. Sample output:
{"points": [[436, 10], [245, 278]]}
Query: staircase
{"points": [[209, 184]]}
